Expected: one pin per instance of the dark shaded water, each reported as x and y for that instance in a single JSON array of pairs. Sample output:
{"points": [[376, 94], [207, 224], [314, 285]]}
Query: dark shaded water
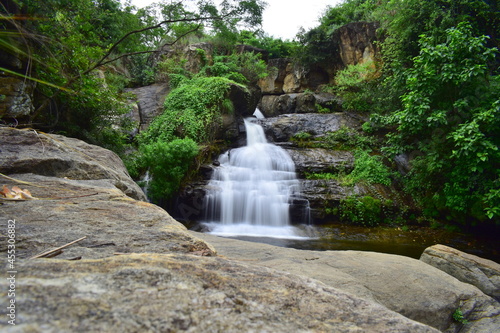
{"points": [[409, 243]]}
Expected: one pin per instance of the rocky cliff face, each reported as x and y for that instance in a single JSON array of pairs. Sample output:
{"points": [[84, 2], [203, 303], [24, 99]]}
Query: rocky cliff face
{"points": [[286, 82], [357, 42]]}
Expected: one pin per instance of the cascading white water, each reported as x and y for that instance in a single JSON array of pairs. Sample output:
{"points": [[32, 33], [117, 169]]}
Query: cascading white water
{"points": [[249, 193]]}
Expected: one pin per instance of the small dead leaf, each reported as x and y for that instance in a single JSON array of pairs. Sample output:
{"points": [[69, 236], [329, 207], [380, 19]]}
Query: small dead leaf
{"points": [[16, 193], [6, 192]]}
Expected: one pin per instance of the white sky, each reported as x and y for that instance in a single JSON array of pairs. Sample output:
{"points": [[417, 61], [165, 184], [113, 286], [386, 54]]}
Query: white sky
{"points": [[283, 18]]}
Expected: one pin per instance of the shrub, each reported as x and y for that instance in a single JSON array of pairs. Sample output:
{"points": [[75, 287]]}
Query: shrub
{"points": [[193, 110], [346, 138], [370, 168], [246, 67], [168, 163], [364, 210]]}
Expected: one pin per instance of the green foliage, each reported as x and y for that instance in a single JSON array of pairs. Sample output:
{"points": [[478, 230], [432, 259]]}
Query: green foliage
{"points": [[63, 46], [452, 100], [354, 84], [168, 163], [367, 127], [232, 16], [97, 113], [172, 70], [458, 316], [276, 47], [141, 71], [316, 46], [301, 136], [322, 175], [244, 68], [193, 110], [363, 210], [405, 21], [371, 169], [346, 12], [346, 138], [322, 109]]}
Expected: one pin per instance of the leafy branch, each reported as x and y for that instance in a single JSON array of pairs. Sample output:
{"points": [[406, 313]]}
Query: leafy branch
{"points": [[103, 60]]}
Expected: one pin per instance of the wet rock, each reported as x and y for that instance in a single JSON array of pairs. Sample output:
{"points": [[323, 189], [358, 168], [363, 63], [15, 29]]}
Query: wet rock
{"points": [[245, 101], [300, 210], [468, 268], [323, 193], [283, 127], [405, 285], [29, 151], [319, 160], [186, 293], [274, 105]]}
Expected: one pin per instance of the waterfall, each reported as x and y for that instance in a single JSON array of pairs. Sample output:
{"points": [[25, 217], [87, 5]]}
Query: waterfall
{"points": [[250, 192], [144, 184]]}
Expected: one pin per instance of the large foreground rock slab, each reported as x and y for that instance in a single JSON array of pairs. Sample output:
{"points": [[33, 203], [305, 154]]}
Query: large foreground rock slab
{"points": [[67, 210], [468, 268], [30, 151], [402, 284], [173, 293]]}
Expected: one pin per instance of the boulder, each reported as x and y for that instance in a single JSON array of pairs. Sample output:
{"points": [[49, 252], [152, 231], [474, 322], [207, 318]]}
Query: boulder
{"points": [[286, 77], [149, 100], [30, 151], [284, 127], [468, 268], [186, 293], [245, 102], [405, 285], [316, 160], [295, 78], [276, 73], [274, 105]]}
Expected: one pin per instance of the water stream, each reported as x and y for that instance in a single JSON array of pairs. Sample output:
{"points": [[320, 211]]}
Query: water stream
{"points": [[250, 192]]}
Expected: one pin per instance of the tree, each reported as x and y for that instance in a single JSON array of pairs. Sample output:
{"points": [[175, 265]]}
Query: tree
{"points": [[70, 41], [451, 116]]}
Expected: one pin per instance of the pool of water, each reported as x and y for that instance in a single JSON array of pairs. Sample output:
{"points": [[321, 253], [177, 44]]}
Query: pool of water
{"points": [[411, 242]]}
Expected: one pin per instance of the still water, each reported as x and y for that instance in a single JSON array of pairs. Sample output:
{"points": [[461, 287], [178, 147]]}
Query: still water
{"points": [[409, 243]]}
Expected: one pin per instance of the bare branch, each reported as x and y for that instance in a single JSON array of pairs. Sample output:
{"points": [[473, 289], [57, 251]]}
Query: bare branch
{"points": [[99, 63], [102, 63]]}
